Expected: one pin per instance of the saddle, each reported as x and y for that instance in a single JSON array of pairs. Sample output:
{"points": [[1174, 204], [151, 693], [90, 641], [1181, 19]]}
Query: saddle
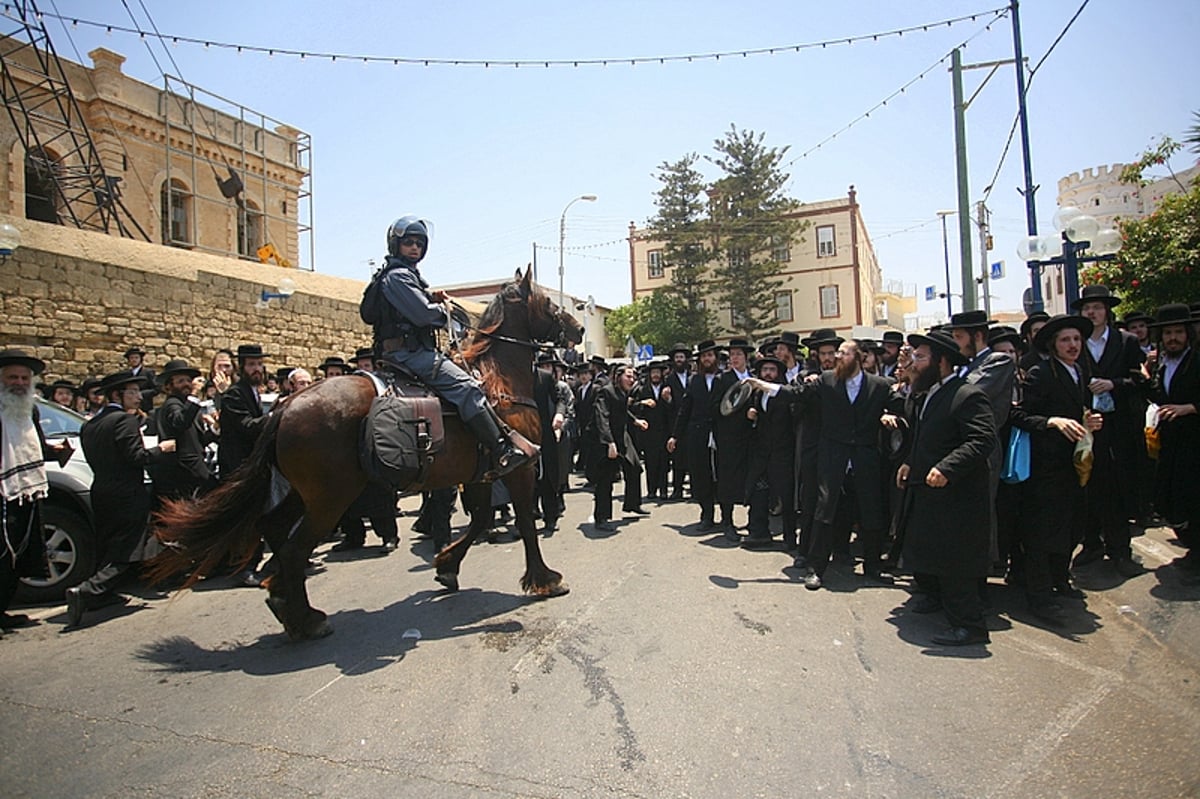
{"points": [[403, 430]]}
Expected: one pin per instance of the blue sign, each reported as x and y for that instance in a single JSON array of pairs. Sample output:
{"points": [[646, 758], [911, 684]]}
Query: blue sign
{"points": [[646, 352], [931, 292], [997, 270]]}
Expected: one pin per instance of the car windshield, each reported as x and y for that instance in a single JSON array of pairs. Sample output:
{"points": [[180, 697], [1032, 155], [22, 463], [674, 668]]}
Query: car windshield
{"points": [[58, 421]]}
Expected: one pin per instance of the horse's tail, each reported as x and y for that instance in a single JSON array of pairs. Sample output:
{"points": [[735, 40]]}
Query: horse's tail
{"points": [[221, 527]]}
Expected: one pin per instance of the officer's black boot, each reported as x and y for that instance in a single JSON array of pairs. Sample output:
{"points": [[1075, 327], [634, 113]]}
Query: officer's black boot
{"points": [[505, 456]]}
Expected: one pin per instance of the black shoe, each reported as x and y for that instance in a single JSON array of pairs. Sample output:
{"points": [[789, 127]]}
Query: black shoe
{"points": [[1087, 555], [800, 563], [924, 603], [75, 606], [1128, 567], [961, 636], [391, 545], [1050, 612], [706, 524], [812, 581], [879, 577], [760, 541], [343, 546], [636, 511], [676, 496], [247, 579], [1068, 591], [731, 534], [12, 621], [607, 527]]}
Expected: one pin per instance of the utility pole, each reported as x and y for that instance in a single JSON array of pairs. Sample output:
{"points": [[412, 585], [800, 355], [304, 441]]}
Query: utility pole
{"points": [[534, 263], [1035, 283], [964, 194], [985, 272]]}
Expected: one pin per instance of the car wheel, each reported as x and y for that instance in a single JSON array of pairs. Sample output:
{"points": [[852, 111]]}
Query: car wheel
{"points": [[71, 553]]}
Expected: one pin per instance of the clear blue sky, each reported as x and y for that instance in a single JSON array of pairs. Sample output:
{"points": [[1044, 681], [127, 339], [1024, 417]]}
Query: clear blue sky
{"points": [[493, 155]]}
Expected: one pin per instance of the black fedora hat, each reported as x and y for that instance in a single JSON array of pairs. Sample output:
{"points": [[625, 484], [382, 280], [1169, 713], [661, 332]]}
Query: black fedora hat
{"points": [[549, 358], [679, 347], [282, 372], [1031, 320], [364, 352], [122, 378], [967, 319], [789, 338], [62, 383], [1137, 316], [18, 357], [1061, 322], [892, 337], [741, 344], [1004, 333], [1175, 313], [250, 351], [823, 336], [177, 366], [335, 360], [708, 345], [136, 349], [1096, 293], [661, 363], [940, 342], [868, 344], [88, 385], [780, 365], [598, 362]]}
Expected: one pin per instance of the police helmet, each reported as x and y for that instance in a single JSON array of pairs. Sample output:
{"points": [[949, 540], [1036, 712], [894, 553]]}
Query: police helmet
{"points": [[406, 226]]}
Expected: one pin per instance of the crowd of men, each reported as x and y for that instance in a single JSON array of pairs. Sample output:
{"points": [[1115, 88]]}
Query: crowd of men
{"points": [[897, 444]]}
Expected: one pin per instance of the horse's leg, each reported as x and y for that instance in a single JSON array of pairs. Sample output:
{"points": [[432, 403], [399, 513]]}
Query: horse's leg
{"points": [[477, 501], [288, 598], [539, 579]]}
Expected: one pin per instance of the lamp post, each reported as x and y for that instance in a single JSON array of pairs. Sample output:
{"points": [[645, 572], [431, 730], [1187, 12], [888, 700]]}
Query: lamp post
{"points": [[1077, 233], [562, 235], [946, 255], [285, 289]]}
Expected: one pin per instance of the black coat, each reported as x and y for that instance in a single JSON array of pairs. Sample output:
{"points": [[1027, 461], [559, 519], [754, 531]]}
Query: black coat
{"points": [[183, 472], [1053, 495], [241, 421], [849, 434], [1121, 443], [772, 446], [1177, 493], [112, 443], [698, 410], [614, 424], [733, 446], [947, 530]]}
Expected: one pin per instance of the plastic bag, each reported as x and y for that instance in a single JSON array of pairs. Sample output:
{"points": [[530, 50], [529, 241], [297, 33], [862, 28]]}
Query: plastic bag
{"points": [[1153, 444], [1016, 457], [1084, 458]]}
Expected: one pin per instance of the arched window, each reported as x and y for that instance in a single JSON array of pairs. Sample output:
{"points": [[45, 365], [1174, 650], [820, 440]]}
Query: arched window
{"points": [[176, 214], [41, 189], [249, 229]]}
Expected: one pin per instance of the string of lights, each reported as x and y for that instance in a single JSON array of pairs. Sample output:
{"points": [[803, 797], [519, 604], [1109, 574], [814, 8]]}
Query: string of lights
{"points": [[997, 16], [543, 63], [909, 229], [577, 247]]}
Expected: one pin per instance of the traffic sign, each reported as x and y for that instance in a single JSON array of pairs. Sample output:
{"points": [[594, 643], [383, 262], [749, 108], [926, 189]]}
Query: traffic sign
{"points": [[646, 352], [931, 292], [997, 270], [631, 347]]}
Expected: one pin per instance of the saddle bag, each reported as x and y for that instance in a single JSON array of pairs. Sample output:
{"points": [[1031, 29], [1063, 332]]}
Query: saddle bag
{"points": [[398, 439]]}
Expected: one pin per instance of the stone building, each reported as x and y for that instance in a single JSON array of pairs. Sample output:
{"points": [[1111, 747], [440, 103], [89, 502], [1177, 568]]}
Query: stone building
{"points": [[180, 156], [831, 275]]}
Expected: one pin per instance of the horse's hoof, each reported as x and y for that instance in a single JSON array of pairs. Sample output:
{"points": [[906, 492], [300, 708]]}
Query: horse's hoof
{"points": [[450, 581], [551, 591], [277, 605], [318, 630]]}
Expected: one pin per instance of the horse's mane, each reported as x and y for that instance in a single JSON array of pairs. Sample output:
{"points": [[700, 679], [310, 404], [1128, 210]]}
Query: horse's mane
{"points": [[478, 353]]}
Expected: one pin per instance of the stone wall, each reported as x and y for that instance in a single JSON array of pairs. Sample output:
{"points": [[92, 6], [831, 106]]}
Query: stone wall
{"points": [[79, 299]]}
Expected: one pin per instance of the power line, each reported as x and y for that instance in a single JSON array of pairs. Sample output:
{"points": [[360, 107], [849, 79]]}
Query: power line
{"points": [[544, 63]]}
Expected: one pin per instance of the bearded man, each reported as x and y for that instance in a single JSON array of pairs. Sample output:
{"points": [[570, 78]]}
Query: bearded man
{"points": [[23, 452], [183, 473], [242, 419]]}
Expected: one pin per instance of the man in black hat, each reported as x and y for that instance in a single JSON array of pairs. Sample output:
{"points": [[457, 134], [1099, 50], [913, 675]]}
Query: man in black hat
{"points": [[334, 366], [1115, 364], [1176, 389], [675, 384], [90, 389], [732, 435], [62, 392], [616, 452], [787, 349], [652, 402], [1029, 330], [698, 408], [23, 484], [823, 346], [112, 443], [945, 522], [1138, 324], [553, 402], [889, 356], [184, 472], [770, 475], [135, 359]]}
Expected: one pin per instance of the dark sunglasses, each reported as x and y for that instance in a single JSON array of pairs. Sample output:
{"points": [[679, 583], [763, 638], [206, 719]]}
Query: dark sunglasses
{"points": [[409, 241]]}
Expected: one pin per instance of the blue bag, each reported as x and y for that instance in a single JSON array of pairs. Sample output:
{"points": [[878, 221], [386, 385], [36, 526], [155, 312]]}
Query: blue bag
{"points": [[1016, 457]]}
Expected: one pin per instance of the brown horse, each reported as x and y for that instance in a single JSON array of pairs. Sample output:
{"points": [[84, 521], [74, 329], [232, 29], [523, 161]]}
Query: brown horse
{"points": [[312, 441]]}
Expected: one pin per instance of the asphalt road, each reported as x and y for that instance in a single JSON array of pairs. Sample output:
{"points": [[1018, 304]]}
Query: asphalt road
{"points": [[676, 667]]}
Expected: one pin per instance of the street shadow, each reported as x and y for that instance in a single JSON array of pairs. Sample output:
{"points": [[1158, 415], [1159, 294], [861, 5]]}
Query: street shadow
{"points": [[1171, 586], [790, 576], [918, 629], [363, 641], [365, 552], [590, 532], [119, 609]]}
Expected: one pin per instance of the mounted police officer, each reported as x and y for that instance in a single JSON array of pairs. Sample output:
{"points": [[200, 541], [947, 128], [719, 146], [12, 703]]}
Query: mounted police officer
{"points": [[404, 313]]}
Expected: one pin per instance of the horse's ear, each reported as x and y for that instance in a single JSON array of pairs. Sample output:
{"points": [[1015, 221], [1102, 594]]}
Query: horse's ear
{"points": [[526, 280]]}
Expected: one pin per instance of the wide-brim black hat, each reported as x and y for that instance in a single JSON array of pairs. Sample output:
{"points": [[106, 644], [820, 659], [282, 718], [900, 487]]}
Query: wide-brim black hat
{"points": [[780, 365], [736, 397], [364, 352], [942, 343], [16, 357], [679, 347], [823, 336], [1096, 293], [135, 350], [893, 337], [1061, 322], [62, 383], [335, 360], [869, 344], [122, 378], [968, 319], [1137, 316], [1004, 333], [1033, 319], [741, 344], [251, 351], [708, 345], [1175, 313], [178, 366], [662, 363], [89, 384]]}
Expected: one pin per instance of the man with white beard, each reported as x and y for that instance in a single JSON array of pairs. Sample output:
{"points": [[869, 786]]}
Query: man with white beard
{"points": [[23, 452]]}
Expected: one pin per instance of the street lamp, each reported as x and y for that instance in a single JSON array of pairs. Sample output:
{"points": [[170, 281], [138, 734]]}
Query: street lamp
{"points": [[1078, 232], [562, 235], [285, 289], [946, 255], [10, 240]]}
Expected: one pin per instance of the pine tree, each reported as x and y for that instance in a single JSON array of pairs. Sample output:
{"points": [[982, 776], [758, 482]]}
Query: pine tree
{"points": [[680, 225], [748, 226]]}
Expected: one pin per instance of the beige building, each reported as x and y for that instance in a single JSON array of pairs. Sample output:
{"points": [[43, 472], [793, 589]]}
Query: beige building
{"points": [[830, 272], [178, 154]]}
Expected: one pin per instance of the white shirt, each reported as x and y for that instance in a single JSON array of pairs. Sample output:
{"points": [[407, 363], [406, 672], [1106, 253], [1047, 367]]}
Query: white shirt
{"points": [[1072, 370], [853, 385], [1096, 346], [1169, 366]]}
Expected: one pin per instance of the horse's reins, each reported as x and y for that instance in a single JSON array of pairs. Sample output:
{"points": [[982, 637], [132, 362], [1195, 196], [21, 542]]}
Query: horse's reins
{"points": [[504, 395]]}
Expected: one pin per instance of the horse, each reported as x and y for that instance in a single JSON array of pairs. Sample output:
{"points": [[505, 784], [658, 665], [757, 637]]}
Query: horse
{"points": [[312, 441]]}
